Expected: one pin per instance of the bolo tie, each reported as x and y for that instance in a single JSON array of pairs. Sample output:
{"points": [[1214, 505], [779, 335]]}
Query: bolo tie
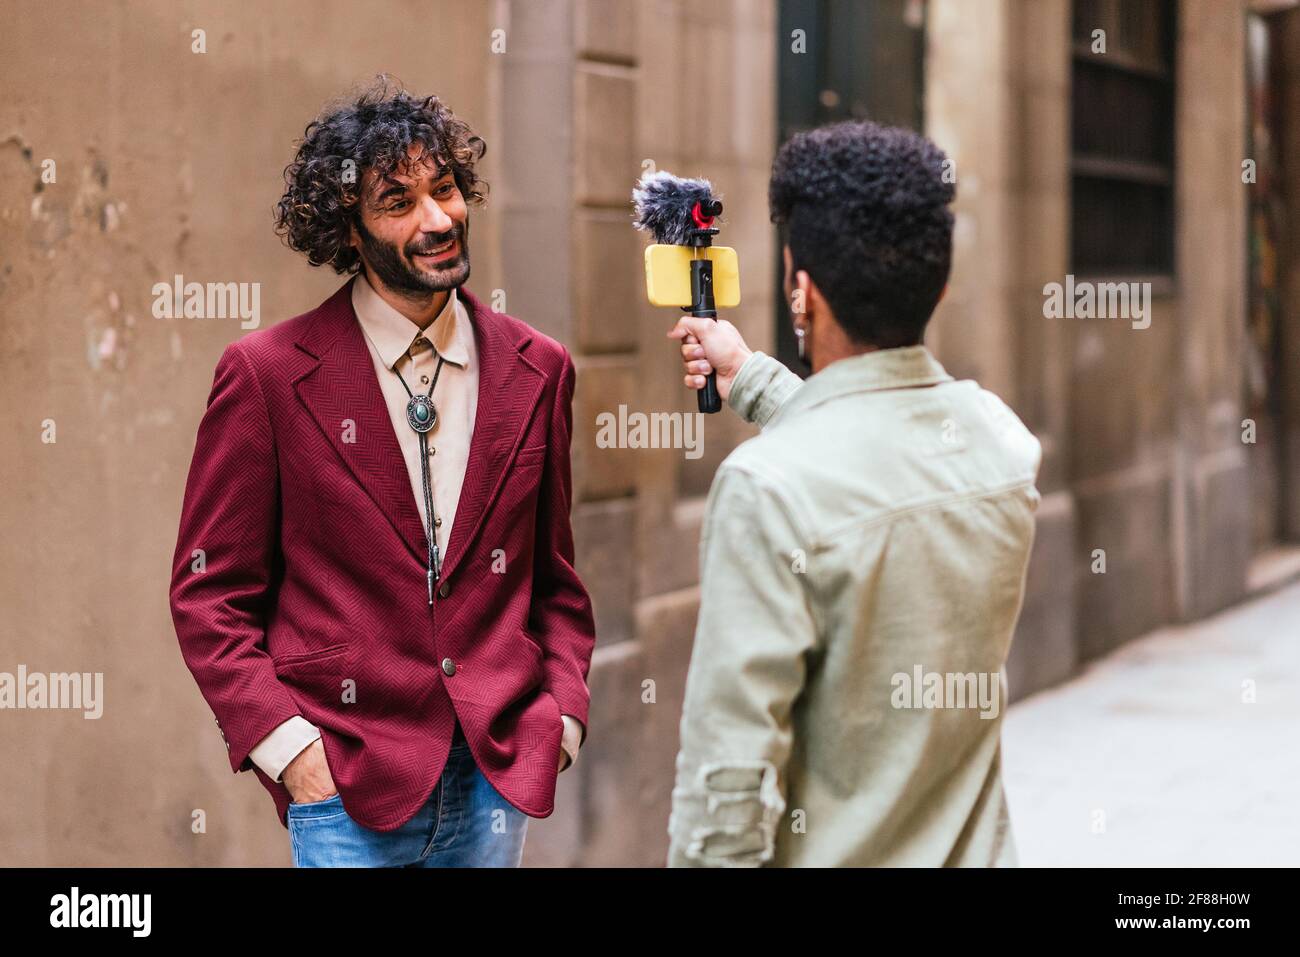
{"points": [[422, 417]]}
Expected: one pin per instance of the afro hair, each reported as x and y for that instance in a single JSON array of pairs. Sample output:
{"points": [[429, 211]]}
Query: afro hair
{"points": [[865, 211]]}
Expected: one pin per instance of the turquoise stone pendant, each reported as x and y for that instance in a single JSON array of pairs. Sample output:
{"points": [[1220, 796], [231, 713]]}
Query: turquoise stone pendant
{"points": [[421, 414]]}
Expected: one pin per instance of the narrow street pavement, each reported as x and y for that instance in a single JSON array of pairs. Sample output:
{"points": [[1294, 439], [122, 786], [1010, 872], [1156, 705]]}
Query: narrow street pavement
{"points": [[1155, 755]]}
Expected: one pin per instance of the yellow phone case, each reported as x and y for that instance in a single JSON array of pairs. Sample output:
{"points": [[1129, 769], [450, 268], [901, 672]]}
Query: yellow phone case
{"points": [[668, 274]]}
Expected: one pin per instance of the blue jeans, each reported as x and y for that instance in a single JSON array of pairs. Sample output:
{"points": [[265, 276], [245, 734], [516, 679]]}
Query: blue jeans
{"points": [[465, 823]]}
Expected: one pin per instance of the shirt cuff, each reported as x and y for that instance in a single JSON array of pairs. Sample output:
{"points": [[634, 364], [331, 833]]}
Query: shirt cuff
{"points": [[274, 752], [574, 732], [761, 386]]}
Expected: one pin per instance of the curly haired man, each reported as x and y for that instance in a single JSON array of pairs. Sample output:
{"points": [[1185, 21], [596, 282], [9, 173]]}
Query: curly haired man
{"points": [[386, 621], [863, 559]]}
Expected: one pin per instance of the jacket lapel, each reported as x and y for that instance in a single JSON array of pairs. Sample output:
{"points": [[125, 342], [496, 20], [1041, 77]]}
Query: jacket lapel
{"points": [[509, 387], [342, 385]]}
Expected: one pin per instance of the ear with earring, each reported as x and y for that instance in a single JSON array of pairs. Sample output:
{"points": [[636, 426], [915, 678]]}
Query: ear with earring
{"points": [[799, 315], [801, 340]]}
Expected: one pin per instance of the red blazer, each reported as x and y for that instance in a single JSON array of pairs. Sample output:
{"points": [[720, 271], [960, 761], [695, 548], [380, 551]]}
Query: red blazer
{"points": [[298, 582]]}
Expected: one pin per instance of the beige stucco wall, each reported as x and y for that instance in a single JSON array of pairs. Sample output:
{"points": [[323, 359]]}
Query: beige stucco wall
{"points": [[167, 161], [617, 69], [1140, 427]]}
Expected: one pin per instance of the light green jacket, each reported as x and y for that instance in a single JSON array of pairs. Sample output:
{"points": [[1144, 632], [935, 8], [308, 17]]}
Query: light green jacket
{"points": [[862, 567]]}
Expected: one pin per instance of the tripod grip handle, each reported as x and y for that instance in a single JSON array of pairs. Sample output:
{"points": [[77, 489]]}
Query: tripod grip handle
{"points": [[709, 399]]}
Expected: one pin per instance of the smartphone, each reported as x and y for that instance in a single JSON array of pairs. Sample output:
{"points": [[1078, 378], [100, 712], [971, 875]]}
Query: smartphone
{"points": [[668, 274]]}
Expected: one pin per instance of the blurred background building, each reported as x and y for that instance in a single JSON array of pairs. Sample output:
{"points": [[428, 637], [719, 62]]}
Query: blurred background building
{"points": [[1167, 159]]}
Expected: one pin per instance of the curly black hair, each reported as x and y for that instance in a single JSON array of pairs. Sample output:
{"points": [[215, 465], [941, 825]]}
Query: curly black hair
{"points": [[374, 131], [864, 210]]}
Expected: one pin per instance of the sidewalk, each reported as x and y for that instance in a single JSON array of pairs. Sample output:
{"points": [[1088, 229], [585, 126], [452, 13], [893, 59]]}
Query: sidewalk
{"points": [[1154, 749]]}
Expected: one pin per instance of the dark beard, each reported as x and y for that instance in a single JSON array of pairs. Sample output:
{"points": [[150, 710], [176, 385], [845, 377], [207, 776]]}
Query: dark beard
{"points": [[399, 273]]}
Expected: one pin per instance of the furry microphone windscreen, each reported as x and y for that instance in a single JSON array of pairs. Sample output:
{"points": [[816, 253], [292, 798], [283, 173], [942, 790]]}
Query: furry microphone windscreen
{"points": [[664, 202]]}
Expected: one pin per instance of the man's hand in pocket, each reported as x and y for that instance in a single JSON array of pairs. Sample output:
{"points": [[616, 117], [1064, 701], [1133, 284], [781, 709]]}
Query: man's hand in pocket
{"points": [[570, 741], [307, 776]]}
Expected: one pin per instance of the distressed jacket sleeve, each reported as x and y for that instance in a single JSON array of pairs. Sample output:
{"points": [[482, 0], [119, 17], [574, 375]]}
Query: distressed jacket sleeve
{"points": [[747, 668], [761, 387]]}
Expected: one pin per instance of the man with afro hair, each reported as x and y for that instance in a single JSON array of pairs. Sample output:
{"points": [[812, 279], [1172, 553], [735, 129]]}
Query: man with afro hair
{"points": [[863, 558]]}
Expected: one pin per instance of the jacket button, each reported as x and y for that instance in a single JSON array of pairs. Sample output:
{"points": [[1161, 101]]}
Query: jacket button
{"points": [[448, 667], [444, 589]]}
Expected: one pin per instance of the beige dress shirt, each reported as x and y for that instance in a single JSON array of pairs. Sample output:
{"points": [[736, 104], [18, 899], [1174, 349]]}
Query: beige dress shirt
{"points": [[870, 542], [396, 343]]}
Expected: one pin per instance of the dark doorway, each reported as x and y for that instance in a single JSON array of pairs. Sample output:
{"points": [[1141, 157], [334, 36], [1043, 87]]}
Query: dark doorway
{"points": [[842, 60], [1266, 229]]}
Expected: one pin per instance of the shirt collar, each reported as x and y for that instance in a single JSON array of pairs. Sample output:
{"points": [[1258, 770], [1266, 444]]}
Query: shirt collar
{"points": [[393, 333], [902, 368]]}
